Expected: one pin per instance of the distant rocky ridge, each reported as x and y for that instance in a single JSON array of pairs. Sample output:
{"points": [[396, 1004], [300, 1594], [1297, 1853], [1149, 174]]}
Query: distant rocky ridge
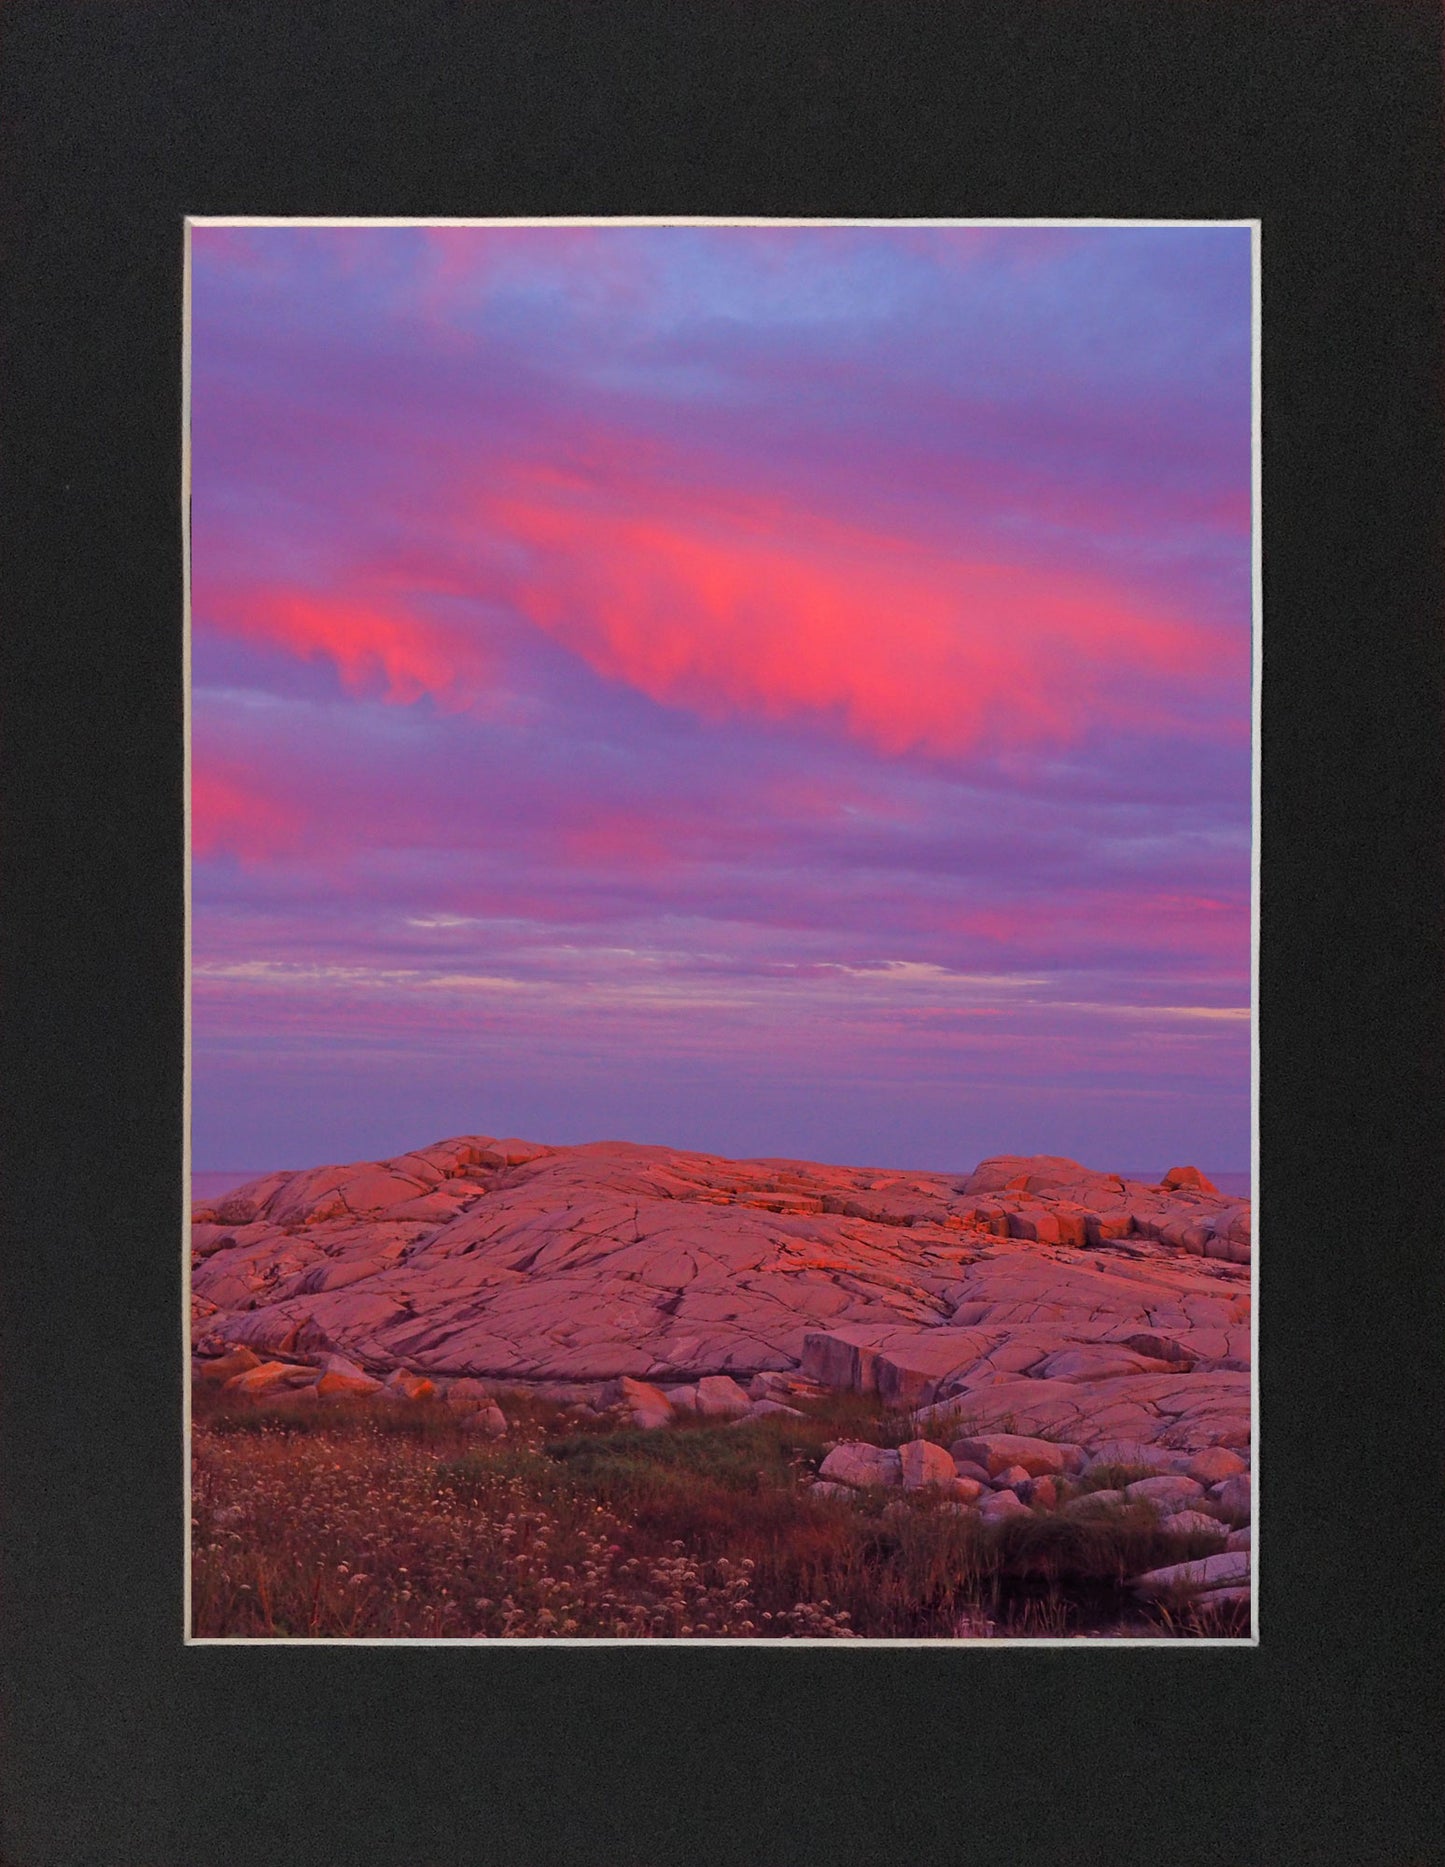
{"points": [[1034, 1295]]}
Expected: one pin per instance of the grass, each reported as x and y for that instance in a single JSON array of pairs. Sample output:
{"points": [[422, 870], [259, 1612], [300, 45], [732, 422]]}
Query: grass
{"points": [[390, 1518]]}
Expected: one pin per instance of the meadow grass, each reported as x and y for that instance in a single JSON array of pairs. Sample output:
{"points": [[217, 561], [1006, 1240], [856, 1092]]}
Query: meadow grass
{"points": [[389, 1518]]}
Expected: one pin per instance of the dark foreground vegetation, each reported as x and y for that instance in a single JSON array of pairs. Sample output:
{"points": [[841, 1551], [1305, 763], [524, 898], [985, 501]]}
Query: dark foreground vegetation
{"points": [[386, 1519]]}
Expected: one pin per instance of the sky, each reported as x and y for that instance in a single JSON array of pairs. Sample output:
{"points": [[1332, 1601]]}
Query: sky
{"points": [[772, 690]]}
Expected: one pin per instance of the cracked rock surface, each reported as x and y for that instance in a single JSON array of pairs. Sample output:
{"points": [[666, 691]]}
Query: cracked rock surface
{"points": [[1033, 1295]]}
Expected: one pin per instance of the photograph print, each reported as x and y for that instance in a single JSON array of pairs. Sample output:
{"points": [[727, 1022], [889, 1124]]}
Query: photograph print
{"points": [[723, 774]]}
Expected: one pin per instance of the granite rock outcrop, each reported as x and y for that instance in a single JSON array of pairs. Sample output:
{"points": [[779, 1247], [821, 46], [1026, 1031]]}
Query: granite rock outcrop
{"points": [[1033, 1296]]}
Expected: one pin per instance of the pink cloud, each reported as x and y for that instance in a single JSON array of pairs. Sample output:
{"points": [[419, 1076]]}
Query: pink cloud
{"points": [[230, 816], [374, 645], [768, 609], [1207, 930]]}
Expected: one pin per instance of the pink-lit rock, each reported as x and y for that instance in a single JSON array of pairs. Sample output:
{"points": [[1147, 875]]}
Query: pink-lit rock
{"points": [[1228, 1568], [1196, 1523], [342, 1379], [1179, 1178], [1165, 1493], [1003, 1507], [999, 1452], [1038, 1297], [720, 1397], [1214, 1464], [925, 1463], [859, 1464]]}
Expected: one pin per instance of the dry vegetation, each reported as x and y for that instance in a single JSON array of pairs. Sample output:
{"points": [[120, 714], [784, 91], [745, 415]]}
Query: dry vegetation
{"points": [[391, 1519]]}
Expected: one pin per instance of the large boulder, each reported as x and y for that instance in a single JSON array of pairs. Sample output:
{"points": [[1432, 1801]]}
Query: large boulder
{"points": [[342, 1379], [923, 1464], [719, 1397], [1167, 1494], [647, 1406], [1233, 1495], [1101, 1503], [409, 1386], [267, 1376], [858, 1464], [226, 1367], [466, 1394], [1190, 1179], [1214, 1464], [1026, 1173], [489, 1421], [995, 1452], [1003, 1507], [1227, 1568], [1196, 1523]]}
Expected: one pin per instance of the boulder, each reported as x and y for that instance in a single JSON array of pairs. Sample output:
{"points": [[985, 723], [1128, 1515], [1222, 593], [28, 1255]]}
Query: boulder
{"points": [[225, 1367], [1095, 1503], [1195, 1523], [1041, 1493], [647, 1406], [488, 1420], [826, 1487], [1238, 1539], [968, 1468], [409, 1386], [1011, 1478], [1228, 1567], [720, 1397], [1233, 1495], [1166, 1494], [996, 1451], [1181, 1179], [923, 1463], [267, 1376], [759, 1409], [966, 1490], [859, 1464], [1002, 1507], [783, 1384], [1214, 1464], [1035, 1173], [341, 1379]]}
